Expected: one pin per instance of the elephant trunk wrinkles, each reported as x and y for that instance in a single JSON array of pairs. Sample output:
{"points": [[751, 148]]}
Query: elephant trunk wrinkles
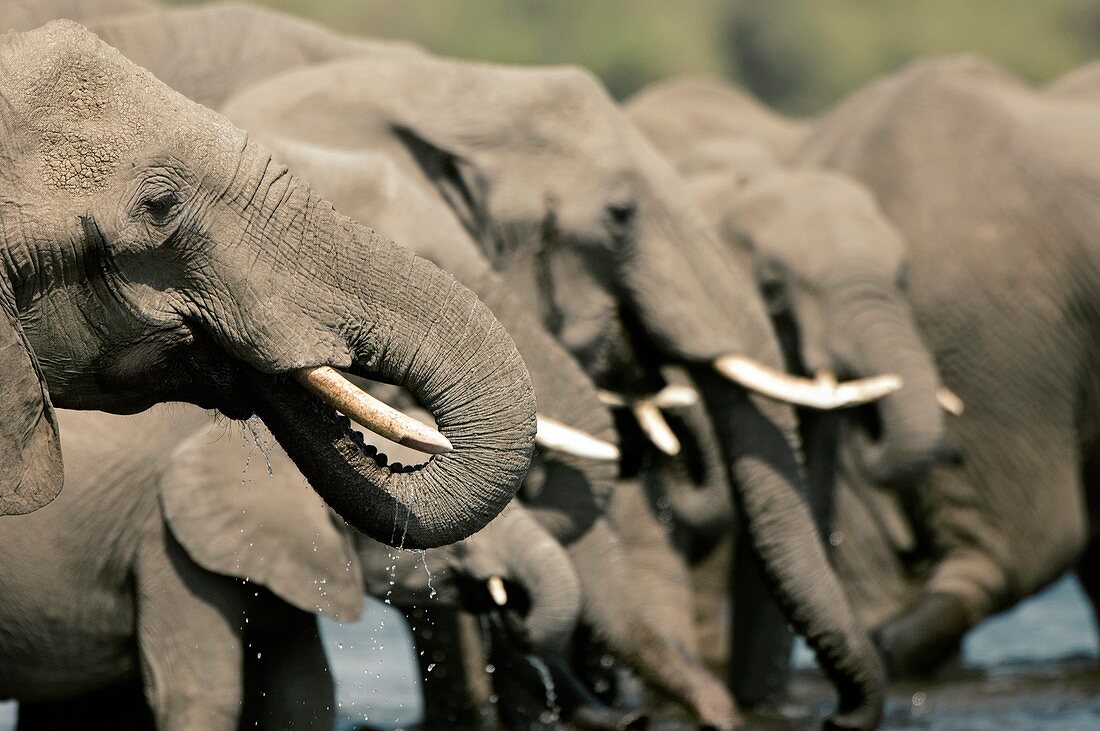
{"points": [[911, 421], [783, 533], [418, 328]]}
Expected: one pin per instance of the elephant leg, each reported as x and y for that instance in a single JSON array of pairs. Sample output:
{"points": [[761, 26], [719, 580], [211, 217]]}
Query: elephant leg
{"points": [[189, 636], [760, 638], [287, 679], [121, 707], [1005, 528]]}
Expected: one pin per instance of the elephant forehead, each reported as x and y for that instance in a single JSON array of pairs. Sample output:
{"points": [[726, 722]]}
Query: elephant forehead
{"points": [[82, 108]]}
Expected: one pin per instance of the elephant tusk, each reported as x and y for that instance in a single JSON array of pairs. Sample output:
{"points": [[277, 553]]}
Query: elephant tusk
{"points": [[675, 397], [949, 401], [554, 435], [821, 393], [329, 386], [653, 423], [669, 397], [497, 590], [612, 399]]}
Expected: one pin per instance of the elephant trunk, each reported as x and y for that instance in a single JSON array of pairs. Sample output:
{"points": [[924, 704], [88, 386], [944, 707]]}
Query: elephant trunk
{"points": [[542, 566], [783, 534], [698, 487], [637, 633], [417, 327], [911, 423]]}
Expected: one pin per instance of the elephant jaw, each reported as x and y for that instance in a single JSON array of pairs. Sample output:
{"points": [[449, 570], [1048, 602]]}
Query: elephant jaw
{"points": [[823, 392]]}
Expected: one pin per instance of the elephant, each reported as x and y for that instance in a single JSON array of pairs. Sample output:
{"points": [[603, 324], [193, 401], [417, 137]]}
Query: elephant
{"points": [[990, 182], [831, 268], [163, 563], [153, 253], [571, 204]]}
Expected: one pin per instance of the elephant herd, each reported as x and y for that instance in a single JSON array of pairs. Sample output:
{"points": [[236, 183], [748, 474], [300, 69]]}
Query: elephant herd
{"points": [[641, 387]]}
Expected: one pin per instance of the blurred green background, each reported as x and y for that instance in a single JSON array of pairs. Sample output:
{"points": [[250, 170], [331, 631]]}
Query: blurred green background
{"points": [[798, 55]]}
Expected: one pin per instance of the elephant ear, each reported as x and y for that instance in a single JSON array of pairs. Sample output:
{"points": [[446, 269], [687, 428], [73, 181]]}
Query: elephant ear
{"points": [[242, 509], [458, 181], [31, 473]]}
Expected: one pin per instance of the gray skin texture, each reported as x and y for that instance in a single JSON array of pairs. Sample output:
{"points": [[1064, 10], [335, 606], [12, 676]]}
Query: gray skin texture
{"points": [[569, 202], [831, 268], [991, 183], [151, 253], [194, 556], [694, 110]]}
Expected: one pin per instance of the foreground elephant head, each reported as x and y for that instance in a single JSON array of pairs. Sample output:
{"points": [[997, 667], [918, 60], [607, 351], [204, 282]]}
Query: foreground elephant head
{"points": [[152, 253], [572, 205]]}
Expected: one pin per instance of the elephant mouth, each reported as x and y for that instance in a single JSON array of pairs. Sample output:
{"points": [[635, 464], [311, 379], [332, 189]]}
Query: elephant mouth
{"points": [[304, 419], [295, 414]]}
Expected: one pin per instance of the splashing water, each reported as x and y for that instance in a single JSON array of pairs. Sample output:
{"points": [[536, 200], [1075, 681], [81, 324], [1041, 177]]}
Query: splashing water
{"points": [[256, 428], [432, 594], [553, 711]]}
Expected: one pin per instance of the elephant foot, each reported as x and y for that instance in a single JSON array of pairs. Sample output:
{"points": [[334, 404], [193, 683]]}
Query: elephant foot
{"points": [[919, 641]]}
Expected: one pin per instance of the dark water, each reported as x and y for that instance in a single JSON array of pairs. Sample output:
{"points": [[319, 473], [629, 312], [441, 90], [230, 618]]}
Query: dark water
{"points": [[1032, 668]]}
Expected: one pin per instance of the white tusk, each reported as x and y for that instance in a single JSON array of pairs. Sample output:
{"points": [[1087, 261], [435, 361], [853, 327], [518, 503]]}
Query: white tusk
{"points": [[949, 401], [653, 423], [497, 591], [815, 394], [554, 435], [327, 384], [675, 397], [669, 397], [610, 398]]}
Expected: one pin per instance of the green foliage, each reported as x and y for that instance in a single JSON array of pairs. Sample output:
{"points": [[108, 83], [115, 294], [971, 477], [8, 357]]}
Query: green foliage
{"points": [[799, 55]]}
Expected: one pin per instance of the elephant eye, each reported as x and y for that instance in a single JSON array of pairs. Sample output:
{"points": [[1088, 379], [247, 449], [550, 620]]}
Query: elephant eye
{"points": [[622, 213], [902, 280], [162, 207]]}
